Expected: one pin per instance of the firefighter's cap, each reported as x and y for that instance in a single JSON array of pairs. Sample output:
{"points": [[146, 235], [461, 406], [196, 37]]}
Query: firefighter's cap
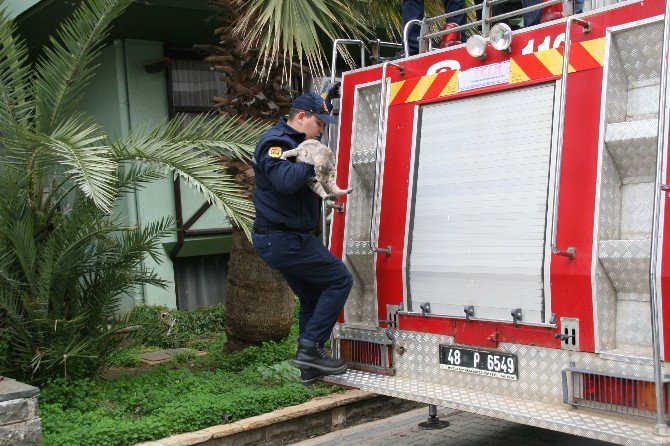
{"points": [[314, 103]]}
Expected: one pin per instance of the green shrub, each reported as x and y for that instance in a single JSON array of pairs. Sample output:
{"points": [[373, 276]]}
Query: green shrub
{"points": [[127, 358], [173, 328], [5, 358], [60, 305], [185, 357], [281, 373]]}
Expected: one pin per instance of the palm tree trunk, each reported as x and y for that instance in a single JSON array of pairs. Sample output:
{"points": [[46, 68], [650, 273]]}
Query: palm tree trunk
{"points": [[259, 303]]}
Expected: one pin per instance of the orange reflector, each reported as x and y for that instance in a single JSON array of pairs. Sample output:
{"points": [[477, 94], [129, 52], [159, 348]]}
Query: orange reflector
{"points": [[633, 393]]}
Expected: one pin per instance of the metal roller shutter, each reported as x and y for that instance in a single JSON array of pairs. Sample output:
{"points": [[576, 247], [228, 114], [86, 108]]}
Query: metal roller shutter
{"points": [[479, 220]]}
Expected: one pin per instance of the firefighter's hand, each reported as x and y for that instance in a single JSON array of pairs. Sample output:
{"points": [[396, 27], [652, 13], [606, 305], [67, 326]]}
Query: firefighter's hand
{"points": [[330, 92], [333, 90]]}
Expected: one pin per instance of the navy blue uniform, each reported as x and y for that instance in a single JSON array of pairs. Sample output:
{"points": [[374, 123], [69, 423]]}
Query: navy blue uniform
{"points": [[287, 214], [414, 10]]}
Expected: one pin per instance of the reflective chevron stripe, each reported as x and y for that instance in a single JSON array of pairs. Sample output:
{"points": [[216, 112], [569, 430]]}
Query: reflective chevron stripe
{"points": [[542, 64]]}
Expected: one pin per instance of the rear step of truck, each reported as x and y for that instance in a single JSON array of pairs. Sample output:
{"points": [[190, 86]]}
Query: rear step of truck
{"points": [[590, 423]]}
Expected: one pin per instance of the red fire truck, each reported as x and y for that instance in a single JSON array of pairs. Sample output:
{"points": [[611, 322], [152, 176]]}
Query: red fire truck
{"points": [[508, 224]]}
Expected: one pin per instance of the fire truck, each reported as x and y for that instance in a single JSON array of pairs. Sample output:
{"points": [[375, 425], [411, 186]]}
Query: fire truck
{"points": [[508, 231]]}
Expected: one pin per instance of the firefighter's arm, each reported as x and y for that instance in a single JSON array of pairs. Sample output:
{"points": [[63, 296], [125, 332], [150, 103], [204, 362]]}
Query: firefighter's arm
{"points": [[287, 177]]}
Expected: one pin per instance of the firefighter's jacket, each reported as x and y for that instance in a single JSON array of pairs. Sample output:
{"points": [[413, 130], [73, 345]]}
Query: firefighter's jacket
{"points": [[282, 197]]}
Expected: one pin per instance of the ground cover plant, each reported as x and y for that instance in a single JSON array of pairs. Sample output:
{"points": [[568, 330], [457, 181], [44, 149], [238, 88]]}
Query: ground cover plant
{"points": [[170, 328], [184, 395]]}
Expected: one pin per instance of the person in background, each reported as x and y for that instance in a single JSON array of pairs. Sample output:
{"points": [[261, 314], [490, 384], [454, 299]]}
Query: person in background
{"points": [[535, 17], [414, 10]]}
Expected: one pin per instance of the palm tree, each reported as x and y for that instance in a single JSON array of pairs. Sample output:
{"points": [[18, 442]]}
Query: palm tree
{"points": [[65, 257]]}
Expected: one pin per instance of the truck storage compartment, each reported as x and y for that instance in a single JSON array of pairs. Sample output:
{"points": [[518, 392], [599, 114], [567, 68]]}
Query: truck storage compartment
{"points": [[481, 196]]}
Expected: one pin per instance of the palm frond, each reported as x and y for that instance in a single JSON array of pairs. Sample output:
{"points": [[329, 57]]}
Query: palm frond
{"points": [[79, 149], [286, 29], [191, 151], [15, 77], [217, 135], [383, 15], [136, 244], [23, 246], [133, 176], [67, 65]]}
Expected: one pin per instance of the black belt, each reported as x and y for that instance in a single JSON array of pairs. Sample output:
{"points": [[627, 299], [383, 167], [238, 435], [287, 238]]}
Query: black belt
{"points": [[269, 229]]}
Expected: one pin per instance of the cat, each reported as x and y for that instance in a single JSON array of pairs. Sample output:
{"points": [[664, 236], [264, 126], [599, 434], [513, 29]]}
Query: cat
{"points": [[323, 160]]}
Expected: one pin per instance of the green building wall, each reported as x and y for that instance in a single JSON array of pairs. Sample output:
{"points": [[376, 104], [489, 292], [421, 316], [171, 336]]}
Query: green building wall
{"points": [[144, 103], [16, 7]]}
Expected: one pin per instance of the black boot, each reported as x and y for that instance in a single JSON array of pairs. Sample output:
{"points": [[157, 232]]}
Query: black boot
{"points": [[310, 356], [321, 347], [310, 376]]}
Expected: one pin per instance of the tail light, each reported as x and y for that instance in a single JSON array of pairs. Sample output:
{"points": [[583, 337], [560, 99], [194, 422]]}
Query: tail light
{"points": [[613, 392], [367, 355], [631, 393]]}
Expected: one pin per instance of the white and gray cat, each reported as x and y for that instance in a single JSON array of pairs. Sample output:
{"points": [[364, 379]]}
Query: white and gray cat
{"points": [[323, 159]]}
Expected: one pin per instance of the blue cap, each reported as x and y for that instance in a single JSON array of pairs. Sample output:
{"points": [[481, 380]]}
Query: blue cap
{"points": [[314, 103]]}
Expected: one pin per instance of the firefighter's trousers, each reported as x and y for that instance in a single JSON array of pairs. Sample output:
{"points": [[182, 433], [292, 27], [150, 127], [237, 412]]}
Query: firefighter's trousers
{"points": [[318, 278]]}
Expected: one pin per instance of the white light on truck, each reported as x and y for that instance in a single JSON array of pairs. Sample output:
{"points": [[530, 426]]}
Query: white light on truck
{"points": [[476, 46], [501, 37]]}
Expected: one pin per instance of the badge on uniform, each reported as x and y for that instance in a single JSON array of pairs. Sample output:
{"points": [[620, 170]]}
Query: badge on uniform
{"points": [[275, 152]]}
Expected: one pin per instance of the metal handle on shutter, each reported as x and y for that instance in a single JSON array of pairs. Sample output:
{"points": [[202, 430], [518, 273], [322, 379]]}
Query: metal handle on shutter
{"points": [[571, 251], [374, 223]]}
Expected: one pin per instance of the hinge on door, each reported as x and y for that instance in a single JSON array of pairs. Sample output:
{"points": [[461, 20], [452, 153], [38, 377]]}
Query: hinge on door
{"points": [[425, 308], [469, 311]]}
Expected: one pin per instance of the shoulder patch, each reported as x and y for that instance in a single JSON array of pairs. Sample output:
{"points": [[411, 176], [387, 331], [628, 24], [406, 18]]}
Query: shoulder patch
{"points": [[275, 152]]}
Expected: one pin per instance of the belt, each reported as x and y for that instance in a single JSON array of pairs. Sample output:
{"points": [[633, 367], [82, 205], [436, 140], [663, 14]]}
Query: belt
{"points": [[269, 229]]}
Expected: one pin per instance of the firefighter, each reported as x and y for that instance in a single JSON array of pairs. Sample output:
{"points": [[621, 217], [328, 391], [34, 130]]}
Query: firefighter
{"points": [[287, 216], [414, 10], [535, 17]]}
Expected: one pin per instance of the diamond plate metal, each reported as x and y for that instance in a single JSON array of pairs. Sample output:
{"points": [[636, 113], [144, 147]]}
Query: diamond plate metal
{"points": [[361, 304], [633, 331], [359, 208], [637, 204], [606, 300], [626, 263], [535, 398], [539, 368], [632, 145], [627, 190], [610, 200], [617, 88], [378, 335], [560, 417], [643, 100], [634, 61], [639, 49]]}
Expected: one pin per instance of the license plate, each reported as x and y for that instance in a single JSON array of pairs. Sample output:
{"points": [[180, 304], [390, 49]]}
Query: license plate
{"points": [[479, 361]]}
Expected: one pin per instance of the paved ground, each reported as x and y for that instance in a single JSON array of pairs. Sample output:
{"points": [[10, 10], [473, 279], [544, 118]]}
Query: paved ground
{"points": [[465, 429]]}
